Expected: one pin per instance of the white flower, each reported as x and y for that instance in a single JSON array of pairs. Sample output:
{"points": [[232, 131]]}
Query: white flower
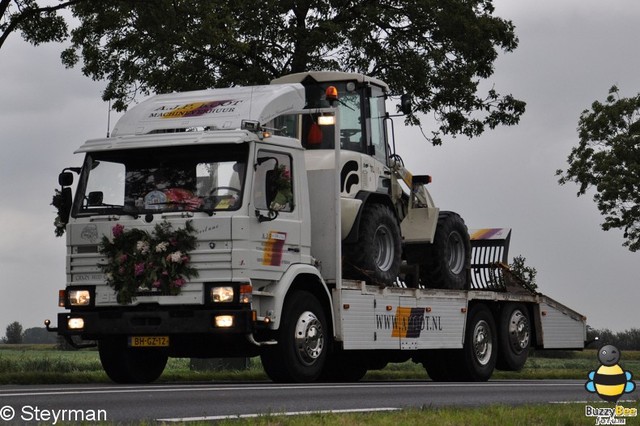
{"points": [[162, 247], [176, 257], [143, 247]]}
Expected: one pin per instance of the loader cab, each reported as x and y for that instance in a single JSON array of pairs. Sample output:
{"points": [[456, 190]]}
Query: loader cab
{"points": [[361, 102]]}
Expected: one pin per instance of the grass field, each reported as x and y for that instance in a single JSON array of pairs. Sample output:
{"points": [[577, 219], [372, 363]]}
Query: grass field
{"points": [[38, 364]]}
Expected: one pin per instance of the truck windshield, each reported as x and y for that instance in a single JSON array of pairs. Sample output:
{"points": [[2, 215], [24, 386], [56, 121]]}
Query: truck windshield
{"points": [[203, 178]]}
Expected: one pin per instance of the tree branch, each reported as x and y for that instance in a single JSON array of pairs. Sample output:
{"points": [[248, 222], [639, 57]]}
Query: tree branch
{"points": [[14, 22]]}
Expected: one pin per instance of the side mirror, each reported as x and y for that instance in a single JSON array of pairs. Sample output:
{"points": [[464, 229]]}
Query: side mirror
{"points": [[95, 198], [405, 103], [65, 179]]}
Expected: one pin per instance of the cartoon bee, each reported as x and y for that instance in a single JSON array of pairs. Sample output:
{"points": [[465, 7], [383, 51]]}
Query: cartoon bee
{"points": [[610, 381]]}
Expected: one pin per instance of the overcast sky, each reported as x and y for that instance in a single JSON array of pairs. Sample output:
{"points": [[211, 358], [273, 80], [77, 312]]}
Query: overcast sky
{"points": [[570, 53]]}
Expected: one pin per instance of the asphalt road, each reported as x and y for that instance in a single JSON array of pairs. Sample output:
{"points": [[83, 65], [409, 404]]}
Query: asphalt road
{"points": [[50, 404]]}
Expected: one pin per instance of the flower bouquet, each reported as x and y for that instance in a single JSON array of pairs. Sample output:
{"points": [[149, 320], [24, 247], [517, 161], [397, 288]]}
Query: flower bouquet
{"points": [[139, 261]]}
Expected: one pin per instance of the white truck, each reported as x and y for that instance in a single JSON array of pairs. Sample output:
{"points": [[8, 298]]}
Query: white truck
{"points": [[278, 221]]}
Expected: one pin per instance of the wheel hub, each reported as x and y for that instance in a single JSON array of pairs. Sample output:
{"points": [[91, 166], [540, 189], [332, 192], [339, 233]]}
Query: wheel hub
{"points": [[455, 253], [384, 249], [482, 345], [519, 331], [309, 337]]}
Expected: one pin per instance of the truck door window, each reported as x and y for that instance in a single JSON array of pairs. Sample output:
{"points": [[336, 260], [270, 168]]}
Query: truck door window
{"points": [[106, 188], [273, 186]]}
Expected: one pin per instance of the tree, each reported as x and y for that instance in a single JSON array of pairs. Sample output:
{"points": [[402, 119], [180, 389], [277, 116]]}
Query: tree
{"points": [[437, 50], [38, 335], [524, 272], [607, 159], [38, 24], [13, 333]]}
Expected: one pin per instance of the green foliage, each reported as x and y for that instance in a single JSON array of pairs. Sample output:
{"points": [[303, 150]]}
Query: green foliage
{"points": [[153, 262], [623, 340], [436, 50], [13, 334], [524, 272], [607, 159], [58, 202], [38, 24], [36, 335]]}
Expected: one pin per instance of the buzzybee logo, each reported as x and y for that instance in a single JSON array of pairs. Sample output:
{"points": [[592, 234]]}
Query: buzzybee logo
{"points": [[610, 381]]}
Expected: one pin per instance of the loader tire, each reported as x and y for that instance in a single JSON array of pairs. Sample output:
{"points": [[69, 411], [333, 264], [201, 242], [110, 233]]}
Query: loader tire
{"points": [[376, 257], [448, 259]]}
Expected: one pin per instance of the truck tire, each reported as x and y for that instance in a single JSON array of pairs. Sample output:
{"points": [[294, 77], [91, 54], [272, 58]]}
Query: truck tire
{"points": [[514, 337], [377, 255], [130, 366], [304, 339], [477, 358], [448, 259]]}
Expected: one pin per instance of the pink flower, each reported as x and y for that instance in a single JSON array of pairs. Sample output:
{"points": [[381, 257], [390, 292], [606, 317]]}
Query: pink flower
{"points": [[117, 230], [156, 284], [179, 282], [123, 258], [139, 269]]}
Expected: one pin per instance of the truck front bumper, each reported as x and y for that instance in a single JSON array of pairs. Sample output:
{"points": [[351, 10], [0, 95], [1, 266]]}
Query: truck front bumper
{"points": [[96, 324]]}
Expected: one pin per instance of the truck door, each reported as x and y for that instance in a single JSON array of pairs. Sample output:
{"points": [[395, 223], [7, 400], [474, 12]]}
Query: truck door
{"points": [[276, 234]]}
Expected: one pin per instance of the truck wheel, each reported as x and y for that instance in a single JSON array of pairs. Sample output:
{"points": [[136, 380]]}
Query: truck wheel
{"points": [[376, 257], [126, 365], [449, 257], [477, 359], [514, 337], [303, 341]]}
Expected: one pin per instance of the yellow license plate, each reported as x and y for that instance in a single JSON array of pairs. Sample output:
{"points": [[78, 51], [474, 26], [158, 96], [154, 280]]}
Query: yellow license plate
{"points": [[148, 341]]}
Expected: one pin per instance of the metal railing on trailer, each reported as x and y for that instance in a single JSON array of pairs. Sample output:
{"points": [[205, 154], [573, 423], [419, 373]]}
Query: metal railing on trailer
{"points": [[490, 262]]}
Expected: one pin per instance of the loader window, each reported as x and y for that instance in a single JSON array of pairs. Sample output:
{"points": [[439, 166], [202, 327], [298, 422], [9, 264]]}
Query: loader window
{"points": [[352, 123], [376, 118]]}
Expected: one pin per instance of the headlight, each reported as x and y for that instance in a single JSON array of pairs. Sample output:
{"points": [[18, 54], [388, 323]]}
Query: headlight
{"points": [[223, 321], [222, 294], [79, 297], [75, 323]]}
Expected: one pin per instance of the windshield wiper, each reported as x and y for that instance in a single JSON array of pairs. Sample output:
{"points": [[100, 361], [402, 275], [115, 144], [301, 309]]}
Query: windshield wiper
{"points": [[190, 207]]}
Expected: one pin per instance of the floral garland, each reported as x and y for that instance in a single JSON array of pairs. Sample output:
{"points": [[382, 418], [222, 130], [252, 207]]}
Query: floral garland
{"points": [[58, 203], [138, 261], [282, 184]]}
